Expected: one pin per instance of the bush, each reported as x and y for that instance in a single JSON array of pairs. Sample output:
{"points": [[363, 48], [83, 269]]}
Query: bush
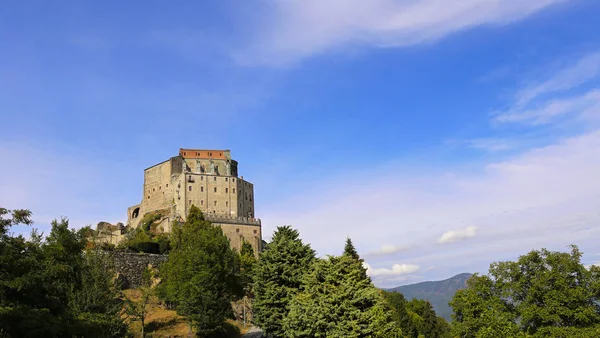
{"points": [[145, 247]]}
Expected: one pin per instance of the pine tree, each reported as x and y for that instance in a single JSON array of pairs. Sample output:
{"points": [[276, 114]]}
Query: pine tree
{"points": [[398, 307], [200, 277], [278, 278], [350, 250], [339, 300]]}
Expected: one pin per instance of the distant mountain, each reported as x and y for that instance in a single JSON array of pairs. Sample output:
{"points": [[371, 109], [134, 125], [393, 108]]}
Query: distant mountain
{"points": [[438, 293]]}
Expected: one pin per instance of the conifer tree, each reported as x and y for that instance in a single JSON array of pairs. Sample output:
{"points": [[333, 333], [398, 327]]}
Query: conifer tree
{"points": [[339, 300], [200, 277], [398, 306], [278, 278], [350, 250]]}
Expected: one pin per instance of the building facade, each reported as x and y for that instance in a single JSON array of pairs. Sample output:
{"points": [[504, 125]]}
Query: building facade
{"points": [[209, 180]]}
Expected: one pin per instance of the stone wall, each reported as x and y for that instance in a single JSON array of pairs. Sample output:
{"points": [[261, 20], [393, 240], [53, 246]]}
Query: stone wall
{"points": [[130, 266]]}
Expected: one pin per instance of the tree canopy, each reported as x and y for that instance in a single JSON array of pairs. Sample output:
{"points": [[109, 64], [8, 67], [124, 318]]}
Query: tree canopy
{"points": [[279, 277], [53, 287], [201, 275], [542, 294], [339, 300]]}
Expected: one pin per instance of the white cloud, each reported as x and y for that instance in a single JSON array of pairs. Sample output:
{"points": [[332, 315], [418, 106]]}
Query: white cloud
{"points": [[388, 249], [293, 30], [397, 269], [458, 235], [584, 106], [542, 197], [579, 72]]}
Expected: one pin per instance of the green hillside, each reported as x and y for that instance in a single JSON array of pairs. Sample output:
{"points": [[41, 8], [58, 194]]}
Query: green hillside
{"points": [[438, 293]]}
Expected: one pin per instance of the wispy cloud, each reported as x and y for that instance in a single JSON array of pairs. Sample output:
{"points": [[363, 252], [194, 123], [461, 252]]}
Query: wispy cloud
{"points": [[397, 269], [491, 144], [388, 249], [555, 98], [577, 73], [529, 200], [458, 235], [293, 30], [580, 106]]}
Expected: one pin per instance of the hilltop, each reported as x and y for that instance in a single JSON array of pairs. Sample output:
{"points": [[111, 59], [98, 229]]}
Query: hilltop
{"points": [[438, 293]]}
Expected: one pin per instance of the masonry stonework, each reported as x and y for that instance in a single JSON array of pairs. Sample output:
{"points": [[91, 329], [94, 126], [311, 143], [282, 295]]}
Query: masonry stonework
{"points": [[209, 180]]}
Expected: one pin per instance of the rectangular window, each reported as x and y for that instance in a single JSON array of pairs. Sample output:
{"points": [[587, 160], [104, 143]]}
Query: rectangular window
{"points": [[234, 190], [189, 188], [226, 203], [215, 178], [233, 179], [190, 201], [167, 185], [215, 189], [225, 179], [201, 178], [226, 190], [201, 189], [215, 203], [202, 202]]}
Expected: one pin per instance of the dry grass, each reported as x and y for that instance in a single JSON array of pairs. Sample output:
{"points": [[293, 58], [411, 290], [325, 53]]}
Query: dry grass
{"points": [[161, 322]]}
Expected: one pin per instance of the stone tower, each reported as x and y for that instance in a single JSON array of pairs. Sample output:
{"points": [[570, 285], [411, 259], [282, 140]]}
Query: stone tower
{"points": [[209, 180]]}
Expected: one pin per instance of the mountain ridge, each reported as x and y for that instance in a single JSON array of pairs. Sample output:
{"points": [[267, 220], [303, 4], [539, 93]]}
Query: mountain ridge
{"points": [[438, 293]]}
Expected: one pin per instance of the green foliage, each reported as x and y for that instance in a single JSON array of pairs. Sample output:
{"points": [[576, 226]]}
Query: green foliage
{"points": [[349, 249], [425, 319], [397, 306], [543, 293], [201, 276], [51, 288], [137, 310], [97, 303], [146, 237], [247, 265], [339, 300], [279, 277]]}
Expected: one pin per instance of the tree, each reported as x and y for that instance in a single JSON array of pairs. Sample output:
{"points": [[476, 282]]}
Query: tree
{"points": [[278, 278], [137, 310], [47, 286], [201, 276], [247, 266], [543, 293], [398, 308], [97, 303], [350, 250], [339, 300]]}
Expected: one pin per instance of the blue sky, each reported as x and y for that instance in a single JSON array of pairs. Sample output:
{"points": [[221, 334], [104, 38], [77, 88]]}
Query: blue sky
{"points": [[440, 136]]}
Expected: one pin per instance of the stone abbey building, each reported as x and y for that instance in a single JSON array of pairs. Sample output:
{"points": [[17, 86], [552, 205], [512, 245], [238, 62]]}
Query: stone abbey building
{"points": [[209, 180]]}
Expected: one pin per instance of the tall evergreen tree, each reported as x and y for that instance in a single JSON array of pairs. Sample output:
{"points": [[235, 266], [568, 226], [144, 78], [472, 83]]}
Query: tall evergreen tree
{"points": [[278, 278], [339, 300], [398, 304], [350, 250], [200, 277]]}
